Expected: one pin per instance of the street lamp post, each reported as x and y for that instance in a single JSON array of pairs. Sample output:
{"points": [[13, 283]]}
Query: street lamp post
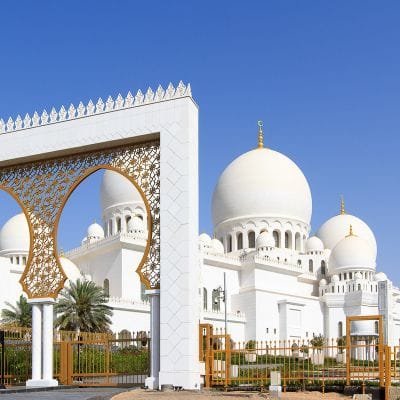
{"points": [[222, 295]]}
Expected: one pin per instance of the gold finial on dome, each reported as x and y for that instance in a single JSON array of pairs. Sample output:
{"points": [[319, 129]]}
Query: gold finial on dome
{"points": [[351, 233], [260, 134], [342, 208]]}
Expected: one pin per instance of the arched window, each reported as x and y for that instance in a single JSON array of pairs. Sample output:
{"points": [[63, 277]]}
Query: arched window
{"points": [[239, 239], [118, 224], [297, 241], [106, 287], [323, 267], [229, 243], [359, 286], [310, 266], [216, 301], [277, 238], [24, 260], [127, 219], [204, 299], [340, 329], [287, 240], [252, 240]]}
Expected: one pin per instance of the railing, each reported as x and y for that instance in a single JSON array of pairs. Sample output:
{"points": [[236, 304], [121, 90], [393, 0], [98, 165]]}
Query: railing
{"points": [[301, 364]]}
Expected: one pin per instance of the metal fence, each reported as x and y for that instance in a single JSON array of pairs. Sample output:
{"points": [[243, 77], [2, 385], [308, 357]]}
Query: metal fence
{"points": [[81, 359], [304, 364]]}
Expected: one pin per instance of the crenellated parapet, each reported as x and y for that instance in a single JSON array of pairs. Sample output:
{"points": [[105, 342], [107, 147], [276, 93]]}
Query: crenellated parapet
{"points": [[100, 107]]}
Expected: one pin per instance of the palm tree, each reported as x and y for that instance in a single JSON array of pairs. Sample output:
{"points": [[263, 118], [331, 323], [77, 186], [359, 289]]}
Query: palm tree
{"points": [[18, 315], [82, 308]]}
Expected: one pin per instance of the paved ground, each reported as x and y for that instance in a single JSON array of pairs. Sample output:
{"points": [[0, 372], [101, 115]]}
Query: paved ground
{"points": [[209, 395], [67, 394]]}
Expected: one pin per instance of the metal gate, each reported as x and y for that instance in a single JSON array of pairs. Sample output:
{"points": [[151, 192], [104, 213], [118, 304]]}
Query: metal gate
{"points": [[105, 362]]}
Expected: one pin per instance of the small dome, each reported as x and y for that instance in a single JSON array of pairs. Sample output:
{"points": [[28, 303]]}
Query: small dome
{"points": [[205, 239], [335, 278], [337, 228], [15, 236], [135, 224], [322, 282], [262, 183], [357, 276], [117, 190], [352, 252], [217, 246], [380, 276], [70, 269], [95, 231], [314, 244], [265, 239]]}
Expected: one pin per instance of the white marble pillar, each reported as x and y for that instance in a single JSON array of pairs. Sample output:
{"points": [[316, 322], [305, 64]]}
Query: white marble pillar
{"points": [[36, 345], [42, 343], [152, 380], [47, 344]]}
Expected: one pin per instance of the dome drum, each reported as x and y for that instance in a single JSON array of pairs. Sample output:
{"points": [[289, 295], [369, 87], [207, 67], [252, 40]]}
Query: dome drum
{"points": [[287, 234]]}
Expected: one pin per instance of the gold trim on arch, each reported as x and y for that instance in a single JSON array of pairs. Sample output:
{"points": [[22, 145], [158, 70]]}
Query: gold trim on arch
{"points": [[42, 188]]}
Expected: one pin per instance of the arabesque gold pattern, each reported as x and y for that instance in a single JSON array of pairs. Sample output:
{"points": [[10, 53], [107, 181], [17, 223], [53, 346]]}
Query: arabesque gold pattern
{"points": [[42, 189]]}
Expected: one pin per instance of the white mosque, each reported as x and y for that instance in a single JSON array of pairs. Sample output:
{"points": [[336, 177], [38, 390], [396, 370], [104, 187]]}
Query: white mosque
{"points": [[281, 283]]}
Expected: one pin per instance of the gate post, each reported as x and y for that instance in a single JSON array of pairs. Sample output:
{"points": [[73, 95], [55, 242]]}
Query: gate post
{"points": [[179, 255], [388, 370], [152, 381]]}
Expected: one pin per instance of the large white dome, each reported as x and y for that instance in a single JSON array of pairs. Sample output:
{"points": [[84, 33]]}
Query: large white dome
{"points": [[15, 236], [337, 228], [262, 183], [352, 252], [117, 190]]}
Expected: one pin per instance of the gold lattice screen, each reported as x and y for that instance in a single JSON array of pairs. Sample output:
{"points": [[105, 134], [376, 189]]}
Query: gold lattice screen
{"points": [[42, 188]]}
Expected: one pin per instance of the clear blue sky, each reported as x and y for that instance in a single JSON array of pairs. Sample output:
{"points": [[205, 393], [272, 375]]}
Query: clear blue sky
{"points": [[324, 76]]}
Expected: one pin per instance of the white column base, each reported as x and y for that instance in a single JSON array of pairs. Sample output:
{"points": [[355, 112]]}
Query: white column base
{"points": [[151, 383], [42, 383], [186, 380]]}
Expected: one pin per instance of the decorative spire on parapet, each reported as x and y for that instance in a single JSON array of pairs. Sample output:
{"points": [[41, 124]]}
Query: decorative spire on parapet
{"points": [[100, 107], [260, 134], [342, 208]]}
